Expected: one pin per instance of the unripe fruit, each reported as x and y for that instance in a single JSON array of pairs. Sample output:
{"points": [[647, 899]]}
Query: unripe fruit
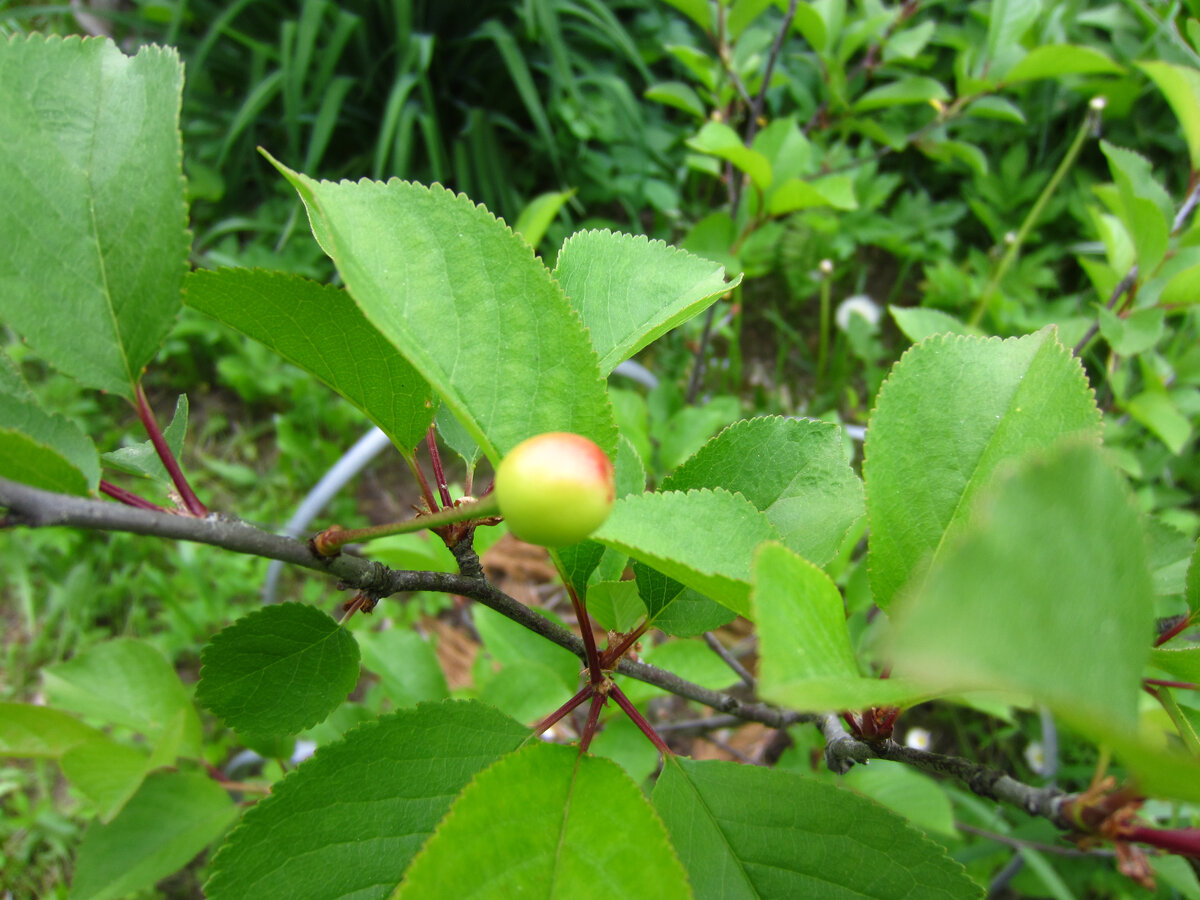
{"points": [[555, 489]]}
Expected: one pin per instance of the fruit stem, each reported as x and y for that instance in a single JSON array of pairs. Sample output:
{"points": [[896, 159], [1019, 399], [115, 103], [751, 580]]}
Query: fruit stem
{"points": [[146, 414], [333, 540], [593, 719], [438, 472], [595, 673], [419, 473], [127, 497], [639, 720], [565, 709]]}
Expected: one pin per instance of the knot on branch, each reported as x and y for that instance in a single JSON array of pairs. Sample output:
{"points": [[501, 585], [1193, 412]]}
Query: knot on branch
{"points": [[464, 554]]}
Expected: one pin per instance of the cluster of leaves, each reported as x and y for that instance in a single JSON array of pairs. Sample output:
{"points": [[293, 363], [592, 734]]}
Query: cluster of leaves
{"points": [[970, 441]]}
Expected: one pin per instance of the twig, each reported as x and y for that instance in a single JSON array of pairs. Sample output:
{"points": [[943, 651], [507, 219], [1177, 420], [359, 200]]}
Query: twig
{"points": [[1118, 292], [728, 658], [756, 107], [708, 723]]}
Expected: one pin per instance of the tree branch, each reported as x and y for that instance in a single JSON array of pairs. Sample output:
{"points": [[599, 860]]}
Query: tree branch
{"points": [[32, 507]]}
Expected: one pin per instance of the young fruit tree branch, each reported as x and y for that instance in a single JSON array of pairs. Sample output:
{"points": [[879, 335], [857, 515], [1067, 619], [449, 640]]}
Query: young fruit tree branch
{"points": [[32, 507]]}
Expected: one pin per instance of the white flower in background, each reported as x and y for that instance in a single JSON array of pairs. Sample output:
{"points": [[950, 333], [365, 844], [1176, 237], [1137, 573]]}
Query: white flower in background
{"points": [[918, 739], [1035, 755], [858, 305]]}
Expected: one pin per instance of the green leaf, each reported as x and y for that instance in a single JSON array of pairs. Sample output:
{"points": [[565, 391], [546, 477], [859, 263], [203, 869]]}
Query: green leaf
{"points": [[107, 772], [749, 832], [1155, 410], [677, 94], [321, 330], [630, 291], [1181, 86], [1045, 591], [784, 145], [675, 609], [1054, 61], [805, 658], [905, 91], [469, 305], [406, 665], [539, 213], [906, 791], [794, 470], [952, 411], [696, 10], [172, 817], [689, 428], [125, 682], [692, 660], [811, 26], [1192, 594], [1133, 334], [909, 42], [28, 731], [1183, 287], [656, 590], [713, 558], [546, 822], [1008, 21], [719, 140], [527, 691], [94, 214], [1183, 664], [350, 819], [991, 107], [713, 237], [1145, 207], [509, 644], [836, 191], [45, 450], [278, 670], [457, 438], [692, 614], [578, 562], [919, 323], [143, 459], [615, 605]]}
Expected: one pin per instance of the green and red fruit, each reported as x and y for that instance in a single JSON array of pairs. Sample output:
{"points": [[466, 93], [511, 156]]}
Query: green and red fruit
{"points": [[555, 489]]}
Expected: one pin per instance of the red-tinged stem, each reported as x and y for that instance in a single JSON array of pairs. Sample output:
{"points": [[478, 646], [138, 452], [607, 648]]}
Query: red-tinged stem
{"points": [[595, 674], [1179, 626], [593, 719], [439, 473], [551, 720], [146, 414], [639, 720], [128, 498], [1184, 685], [430, 500], [1183, 841]]}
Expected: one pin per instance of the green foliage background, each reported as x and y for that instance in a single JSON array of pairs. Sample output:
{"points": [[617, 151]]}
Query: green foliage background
{"points": [[867, 177]]}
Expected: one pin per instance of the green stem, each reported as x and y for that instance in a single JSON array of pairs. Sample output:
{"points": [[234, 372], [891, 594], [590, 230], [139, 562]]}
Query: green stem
{"points": [[1182, 726], [483, 508], [823, 336], [1010, 255]]}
